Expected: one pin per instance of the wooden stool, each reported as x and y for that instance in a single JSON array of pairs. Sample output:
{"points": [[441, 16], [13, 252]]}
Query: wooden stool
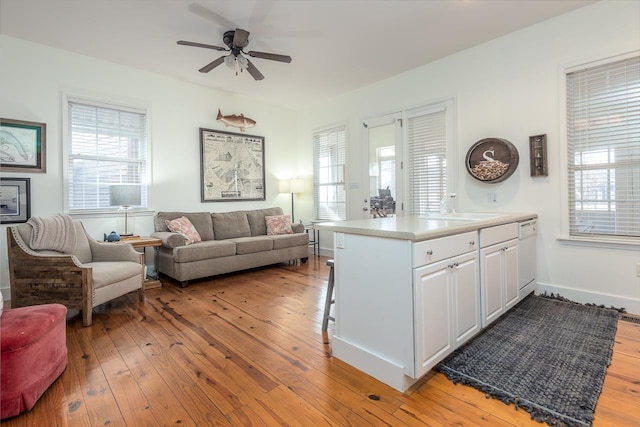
{"points": [[329, 299]]}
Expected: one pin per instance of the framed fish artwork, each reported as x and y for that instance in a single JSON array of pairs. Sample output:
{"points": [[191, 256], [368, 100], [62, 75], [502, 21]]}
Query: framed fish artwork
{"points": [[22, 146], [231, 166]]}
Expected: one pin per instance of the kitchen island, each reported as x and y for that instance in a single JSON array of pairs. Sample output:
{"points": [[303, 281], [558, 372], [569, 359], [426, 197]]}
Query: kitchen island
{"points": [[409, 290]]}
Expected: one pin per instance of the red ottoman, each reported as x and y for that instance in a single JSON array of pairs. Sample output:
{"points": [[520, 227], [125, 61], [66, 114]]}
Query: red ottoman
{"points": [[33, 341]]}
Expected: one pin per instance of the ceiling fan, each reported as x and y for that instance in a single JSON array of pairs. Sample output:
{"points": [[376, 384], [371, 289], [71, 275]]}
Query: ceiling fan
{"points": [[236, 40]]}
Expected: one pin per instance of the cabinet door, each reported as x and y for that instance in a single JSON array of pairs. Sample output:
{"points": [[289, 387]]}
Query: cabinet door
{"points": [[510, 271], [466, 297], [491, 283], [432, 315]]}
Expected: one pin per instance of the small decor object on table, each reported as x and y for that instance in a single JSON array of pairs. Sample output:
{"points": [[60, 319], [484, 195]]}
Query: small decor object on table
{"points": [[23, 146], [492, 160], [15, 200]]}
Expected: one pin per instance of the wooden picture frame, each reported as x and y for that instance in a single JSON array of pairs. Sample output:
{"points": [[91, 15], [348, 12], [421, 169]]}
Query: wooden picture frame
{"points": [[538, 155], [231, 166], [23, 146], [15, 200]]}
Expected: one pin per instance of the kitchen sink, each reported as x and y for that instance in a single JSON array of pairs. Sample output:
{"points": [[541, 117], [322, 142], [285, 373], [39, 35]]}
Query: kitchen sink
{"points": [[463, 216]]}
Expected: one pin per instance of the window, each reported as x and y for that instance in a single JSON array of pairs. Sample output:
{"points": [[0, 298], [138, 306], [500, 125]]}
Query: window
{"points": [[329, 158], [603, 149], [428, 141], [106, 144]]}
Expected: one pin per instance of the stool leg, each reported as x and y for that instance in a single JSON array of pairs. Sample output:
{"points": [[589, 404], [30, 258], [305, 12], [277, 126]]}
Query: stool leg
{"points": [[328, 301]]}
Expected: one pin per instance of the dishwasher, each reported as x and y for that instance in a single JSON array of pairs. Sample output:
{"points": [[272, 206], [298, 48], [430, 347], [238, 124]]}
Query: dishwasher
{"points": [[527, 256]]}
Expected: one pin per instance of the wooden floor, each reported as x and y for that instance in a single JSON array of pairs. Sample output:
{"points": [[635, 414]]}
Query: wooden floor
{"points": [[247, 350]]}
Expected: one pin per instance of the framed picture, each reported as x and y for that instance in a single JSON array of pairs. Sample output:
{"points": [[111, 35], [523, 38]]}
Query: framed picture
{"points": [[231, 166], [23, 146], [492, 160], [15, 200]]}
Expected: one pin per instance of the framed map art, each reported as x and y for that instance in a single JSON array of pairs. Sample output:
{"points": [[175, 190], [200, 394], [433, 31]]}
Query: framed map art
{"points": [[231, 166], [22, 146]]}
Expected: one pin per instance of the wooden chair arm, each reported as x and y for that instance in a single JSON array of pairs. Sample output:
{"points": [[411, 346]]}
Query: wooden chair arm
{"points": [[38, 278]]}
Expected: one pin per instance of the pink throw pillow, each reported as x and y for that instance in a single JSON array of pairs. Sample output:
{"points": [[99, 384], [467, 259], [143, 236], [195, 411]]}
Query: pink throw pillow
{"points": [[183, 226], [278, 224]]}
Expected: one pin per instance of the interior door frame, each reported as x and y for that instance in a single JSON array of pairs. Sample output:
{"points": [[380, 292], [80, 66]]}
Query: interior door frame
{"points": [[371, 123]]}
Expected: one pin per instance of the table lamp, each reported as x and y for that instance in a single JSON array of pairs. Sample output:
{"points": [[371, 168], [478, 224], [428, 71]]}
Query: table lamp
{"points": [[125, 196]]}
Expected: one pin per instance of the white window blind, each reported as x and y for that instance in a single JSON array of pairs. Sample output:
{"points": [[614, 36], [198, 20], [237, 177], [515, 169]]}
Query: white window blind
{"points": [[427, 160], [106, 145], [603, 143], [329, 158]]}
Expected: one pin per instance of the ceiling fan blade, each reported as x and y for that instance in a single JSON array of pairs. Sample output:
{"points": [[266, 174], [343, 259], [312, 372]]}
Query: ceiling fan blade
{"points": [[210, 66], [272, 56], [254, 71], [240, 38], [194, 44]]}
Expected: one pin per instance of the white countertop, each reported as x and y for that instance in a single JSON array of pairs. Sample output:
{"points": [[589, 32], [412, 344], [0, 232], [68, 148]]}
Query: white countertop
{"points": [[417, 228]]}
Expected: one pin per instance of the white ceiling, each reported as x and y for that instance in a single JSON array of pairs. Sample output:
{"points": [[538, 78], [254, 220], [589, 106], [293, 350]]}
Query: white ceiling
{"points": [[336, 45]]}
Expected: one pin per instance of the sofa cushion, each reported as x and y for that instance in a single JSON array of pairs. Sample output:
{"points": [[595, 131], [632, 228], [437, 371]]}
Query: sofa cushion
{"points": [[184, 227], [278, 224], [204, 250], [289, 240], [110, 272], [229, 225], [257, 221], [200, 220], [251, 245]]}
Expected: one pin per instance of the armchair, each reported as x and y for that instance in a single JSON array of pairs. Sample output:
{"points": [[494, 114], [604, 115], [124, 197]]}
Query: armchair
{"points": [[87, 276]]}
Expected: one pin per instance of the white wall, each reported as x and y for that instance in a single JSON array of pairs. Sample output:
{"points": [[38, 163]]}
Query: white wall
{"points": [[32, 80], [510, 88]]}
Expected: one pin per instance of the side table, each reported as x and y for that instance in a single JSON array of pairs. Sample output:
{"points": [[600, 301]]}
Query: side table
{"points": [[147, 242], [314, 237]]}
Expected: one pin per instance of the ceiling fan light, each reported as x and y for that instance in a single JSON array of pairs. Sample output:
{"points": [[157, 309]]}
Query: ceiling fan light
{"points": [[230, 61], [243, 62]]}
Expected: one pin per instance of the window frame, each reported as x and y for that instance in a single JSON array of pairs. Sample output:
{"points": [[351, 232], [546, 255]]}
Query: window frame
{"points": [[316, 203], [115, 104], [565, 237]]}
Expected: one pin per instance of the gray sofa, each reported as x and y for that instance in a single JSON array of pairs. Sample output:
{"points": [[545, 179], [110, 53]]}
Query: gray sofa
{"points": [[231, 241]]}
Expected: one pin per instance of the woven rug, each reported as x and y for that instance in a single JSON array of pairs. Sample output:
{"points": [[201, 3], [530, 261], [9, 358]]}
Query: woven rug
{"points": [[546, 356]]}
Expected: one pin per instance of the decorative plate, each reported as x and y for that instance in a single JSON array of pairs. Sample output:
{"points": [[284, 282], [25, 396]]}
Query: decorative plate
{"points": [[492, 160]]}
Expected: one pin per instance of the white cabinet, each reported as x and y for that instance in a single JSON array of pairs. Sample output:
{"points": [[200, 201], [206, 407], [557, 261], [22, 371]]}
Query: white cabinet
{"points": [[498, 271], [446, 302]]}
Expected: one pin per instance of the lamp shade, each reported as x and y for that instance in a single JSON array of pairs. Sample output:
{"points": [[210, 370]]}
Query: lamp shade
{"points": [[125, 195], [293, 185], [296, 186], [284, 186]]}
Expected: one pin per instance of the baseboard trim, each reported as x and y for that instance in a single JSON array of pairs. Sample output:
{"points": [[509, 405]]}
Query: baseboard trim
{"points": [[631, 305]]}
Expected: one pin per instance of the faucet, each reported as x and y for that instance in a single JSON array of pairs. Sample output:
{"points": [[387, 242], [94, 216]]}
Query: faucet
{"points": [[447, 204]]}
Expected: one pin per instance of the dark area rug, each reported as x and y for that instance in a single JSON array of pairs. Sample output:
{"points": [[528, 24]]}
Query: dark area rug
{"points": [[546, 356]]}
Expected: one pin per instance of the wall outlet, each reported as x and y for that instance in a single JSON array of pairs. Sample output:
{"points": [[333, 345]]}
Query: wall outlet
{"points": [[492, 197]]}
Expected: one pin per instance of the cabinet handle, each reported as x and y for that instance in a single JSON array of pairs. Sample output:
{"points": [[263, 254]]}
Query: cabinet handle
{"points": [[430, 252], [472, 242], [455, 264]]}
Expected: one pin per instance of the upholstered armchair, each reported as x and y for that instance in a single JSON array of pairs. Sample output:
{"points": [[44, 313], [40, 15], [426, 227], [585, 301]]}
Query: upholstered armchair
{"points": [[61, 263]]}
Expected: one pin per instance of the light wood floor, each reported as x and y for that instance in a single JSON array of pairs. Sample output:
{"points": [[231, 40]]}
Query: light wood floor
{"points": [[247, 350]]}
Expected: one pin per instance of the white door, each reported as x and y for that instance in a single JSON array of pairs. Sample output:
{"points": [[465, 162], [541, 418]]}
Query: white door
{"points": [[511, 288], [382, 183], [466, 297], [433, 318], [491, 283]]}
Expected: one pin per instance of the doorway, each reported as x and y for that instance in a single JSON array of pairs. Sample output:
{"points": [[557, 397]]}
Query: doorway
{"points": [[383, 145]]}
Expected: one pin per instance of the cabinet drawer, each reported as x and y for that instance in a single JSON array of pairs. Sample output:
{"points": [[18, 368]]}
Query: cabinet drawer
{"points": [[500, 233], [446, 247]]}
